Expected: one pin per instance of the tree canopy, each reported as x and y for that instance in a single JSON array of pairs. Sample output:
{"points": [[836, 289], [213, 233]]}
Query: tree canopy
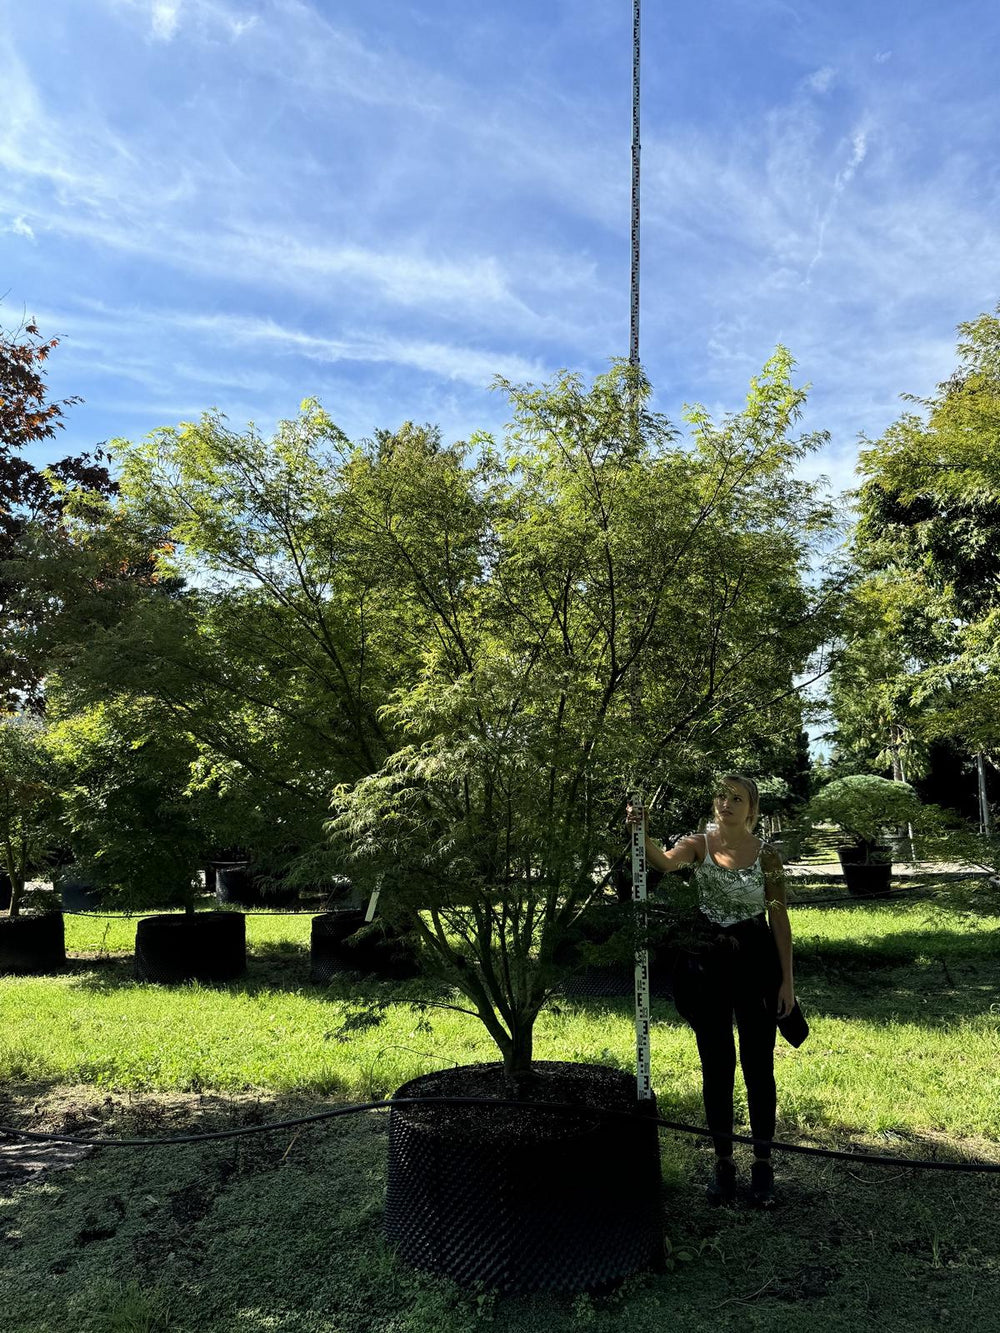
{"points": [[921, 659], [478, 648], [27, 499]]}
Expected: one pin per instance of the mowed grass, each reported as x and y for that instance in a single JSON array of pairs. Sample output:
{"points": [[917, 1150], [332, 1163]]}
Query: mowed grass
{"points": [[282, 1231]]}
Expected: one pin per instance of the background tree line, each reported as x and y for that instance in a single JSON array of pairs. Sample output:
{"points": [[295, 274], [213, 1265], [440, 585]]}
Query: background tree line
{"points": [[914, 692]]}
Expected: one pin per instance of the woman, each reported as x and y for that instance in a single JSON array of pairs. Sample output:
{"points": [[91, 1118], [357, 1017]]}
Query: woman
{"points": [[742, 969]]}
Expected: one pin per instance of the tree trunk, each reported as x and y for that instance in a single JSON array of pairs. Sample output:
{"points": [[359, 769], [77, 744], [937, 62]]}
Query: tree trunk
{"points": [[899, 775], [517, 1057], [16, 894]]}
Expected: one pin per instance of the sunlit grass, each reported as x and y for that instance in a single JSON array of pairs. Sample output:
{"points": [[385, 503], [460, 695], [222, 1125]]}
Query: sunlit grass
{"points": [[284, 1230]]}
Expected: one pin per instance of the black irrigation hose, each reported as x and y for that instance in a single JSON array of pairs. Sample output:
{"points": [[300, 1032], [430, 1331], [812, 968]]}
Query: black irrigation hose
{"points": [[556, 1108]]}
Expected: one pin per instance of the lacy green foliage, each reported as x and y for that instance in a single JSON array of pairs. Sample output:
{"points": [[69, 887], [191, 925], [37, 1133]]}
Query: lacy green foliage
{"points": [[865, 806], [271, 659]]}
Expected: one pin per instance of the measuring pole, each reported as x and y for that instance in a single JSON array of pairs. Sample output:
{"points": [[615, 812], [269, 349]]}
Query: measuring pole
{"points": [[644, 1087], [985, 823], [642, 1054], [633, 354]]}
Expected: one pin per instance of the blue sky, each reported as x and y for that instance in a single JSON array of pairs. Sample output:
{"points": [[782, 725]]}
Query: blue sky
{"points": [[241, 203]]}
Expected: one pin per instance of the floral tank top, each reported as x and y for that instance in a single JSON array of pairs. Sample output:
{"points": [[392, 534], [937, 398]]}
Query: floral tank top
{"points": [[727, 896]]}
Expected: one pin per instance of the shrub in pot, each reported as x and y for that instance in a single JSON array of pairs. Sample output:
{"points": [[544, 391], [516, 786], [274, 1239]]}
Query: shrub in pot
{"points": [[865, 808], [135, 837], [29, 808]]}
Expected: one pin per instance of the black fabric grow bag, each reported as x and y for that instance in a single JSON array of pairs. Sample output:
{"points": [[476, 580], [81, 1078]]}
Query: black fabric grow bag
{"points": [[524, 1201], [341, 942], [32, 944], [206, 946]]}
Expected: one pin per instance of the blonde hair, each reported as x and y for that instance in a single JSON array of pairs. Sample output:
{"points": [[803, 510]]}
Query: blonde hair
{"points": [[753, 815]]}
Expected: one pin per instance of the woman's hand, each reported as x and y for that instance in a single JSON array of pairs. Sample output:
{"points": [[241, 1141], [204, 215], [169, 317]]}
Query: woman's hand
{"points": [[786, 999], [632, 816]]}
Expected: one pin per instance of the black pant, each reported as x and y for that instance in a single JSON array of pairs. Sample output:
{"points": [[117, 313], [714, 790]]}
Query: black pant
{"points": [[733, 971]]}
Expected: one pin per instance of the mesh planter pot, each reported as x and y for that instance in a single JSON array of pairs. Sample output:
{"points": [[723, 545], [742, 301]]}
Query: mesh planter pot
{"points": [[618, 979], [32, 944], [867, 871], [338, 945], [519, 1200], [615, 977], [203, 946]]}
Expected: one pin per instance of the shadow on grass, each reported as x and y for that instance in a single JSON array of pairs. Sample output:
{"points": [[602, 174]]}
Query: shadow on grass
{"points": [[270, 967], [931, 977], [921, 980]]}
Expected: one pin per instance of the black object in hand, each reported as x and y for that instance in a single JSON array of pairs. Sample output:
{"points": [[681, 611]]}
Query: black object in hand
{"points": [[793, 1027]]}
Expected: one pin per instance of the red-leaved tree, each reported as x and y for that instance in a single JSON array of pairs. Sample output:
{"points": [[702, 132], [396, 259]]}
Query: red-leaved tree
{"points": [[27, 415]]}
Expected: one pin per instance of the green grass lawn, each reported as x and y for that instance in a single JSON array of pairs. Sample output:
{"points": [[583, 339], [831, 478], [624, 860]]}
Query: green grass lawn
{"points": [[282, 1231]]}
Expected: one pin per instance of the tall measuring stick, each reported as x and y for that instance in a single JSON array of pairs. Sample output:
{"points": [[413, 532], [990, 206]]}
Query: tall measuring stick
{"points": [[644, 1086], [633, 354], [642, 1052]]}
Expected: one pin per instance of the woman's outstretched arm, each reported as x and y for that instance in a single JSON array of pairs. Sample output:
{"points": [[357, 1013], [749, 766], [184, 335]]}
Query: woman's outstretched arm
{"points": [[681, 854]]}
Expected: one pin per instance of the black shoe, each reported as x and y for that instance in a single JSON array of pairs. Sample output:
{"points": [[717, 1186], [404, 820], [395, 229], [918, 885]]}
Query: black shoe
{"points": [[723, 1188], [762, 1183]]}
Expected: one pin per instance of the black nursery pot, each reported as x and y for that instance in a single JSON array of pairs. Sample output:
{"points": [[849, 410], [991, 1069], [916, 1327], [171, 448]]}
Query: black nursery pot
{"points": [[234, 883], [520, 1200], [238, 883], [337, 947], [203, 946], [867, 870], [32, 944], [78, 895]]}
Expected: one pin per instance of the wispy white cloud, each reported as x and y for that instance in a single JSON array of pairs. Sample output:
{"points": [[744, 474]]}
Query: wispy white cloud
{"points": [[165, 19], [296, 46], [199, 213], [201, 19], [91, 332], [19, 227], [387, 202], [859, 151], [822, 80]]}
